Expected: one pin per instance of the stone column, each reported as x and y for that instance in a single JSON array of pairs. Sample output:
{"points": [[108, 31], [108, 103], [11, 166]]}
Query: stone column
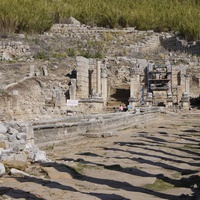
{"points": [[45, 71], [7, 104], [134, 82], [187, 84], [15, 100], [32, 70], [30, 133], [15, 105], [169, 100], [58, 97], [104, 85], [99, 77], [132, 93], [72, 89], [185, 100], [149, 99], [7, 108]]}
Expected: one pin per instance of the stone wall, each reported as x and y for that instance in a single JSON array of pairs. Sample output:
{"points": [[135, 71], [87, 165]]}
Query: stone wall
{"points": [[82, 77], [88, 125], [19, 140]]}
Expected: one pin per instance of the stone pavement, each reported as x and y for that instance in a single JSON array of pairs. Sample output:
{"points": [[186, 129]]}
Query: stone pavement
{"points": [[155, 160]]}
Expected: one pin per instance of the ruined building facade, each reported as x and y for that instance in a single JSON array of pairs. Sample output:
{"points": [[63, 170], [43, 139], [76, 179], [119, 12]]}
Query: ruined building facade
{"points": [[88, 88]]}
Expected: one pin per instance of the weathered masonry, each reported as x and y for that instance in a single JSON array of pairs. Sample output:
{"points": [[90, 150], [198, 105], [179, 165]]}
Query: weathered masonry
{"points": [[93, 85]]}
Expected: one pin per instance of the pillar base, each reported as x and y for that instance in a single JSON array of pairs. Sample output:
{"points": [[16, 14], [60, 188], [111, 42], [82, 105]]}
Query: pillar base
{"points": [[149, 103], [169, 101], [185, 101], [132, 102], [149, 99]]}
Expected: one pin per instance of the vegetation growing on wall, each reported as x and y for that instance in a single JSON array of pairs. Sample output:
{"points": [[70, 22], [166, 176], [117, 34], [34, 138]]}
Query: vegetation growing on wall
{"points": [[38, 15]]}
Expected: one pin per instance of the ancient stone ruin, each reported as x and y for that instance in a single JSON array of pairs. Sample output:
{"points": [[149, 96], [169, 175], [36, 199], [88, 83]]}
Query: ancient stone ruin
{"points": [[87, 89], [45, 94]]}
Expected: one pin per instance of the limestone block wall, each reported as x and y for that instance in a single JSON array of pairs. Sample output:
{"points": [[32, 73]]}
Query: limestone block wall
{"points": [[82, 77], [86, 77], [45, 132]]}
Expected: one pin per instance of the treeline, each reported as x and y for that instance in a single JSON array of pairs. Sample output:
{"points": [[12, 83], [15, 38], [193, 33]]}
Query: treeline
{"points": [[37, 16]]}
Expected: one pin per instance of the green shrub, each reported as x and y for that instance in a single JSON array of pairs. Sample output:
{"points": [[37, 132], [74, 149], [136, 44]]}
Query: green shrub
{"points": [[41, 55]]}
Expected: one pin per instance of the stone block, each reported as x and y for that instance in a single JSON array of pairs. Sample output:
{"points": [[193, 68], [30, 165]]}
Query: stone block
{"points": [[11, 138], [3, 128], [2, 144], [12, 131], [40, 156], [2, 137], [15, 164], [16, 171], [21, 136], [109, 134], [2, 169], [20, 157]]}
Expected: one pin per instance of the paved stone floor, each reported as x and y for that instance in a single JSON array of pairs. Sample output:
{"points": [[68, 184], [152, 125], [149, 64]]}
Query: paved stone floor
{"points": [[155, 160]]}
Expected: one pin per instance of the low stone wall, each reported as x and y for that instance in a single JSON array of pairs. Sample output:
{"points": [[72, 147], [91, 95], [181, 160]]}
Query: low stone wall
{"points": [[20, 140], [88, 125]]}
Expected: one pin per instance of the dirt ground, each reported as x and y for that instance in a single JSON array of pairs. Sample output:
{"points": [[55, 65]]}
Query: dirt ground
{"points": [[155, 160]]}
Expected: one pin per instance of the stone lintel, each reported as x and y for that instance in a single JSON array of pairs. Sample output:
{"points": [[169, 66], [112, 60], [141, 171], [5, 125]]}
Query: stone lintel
{"points": [[132, 99], [90, 100]]}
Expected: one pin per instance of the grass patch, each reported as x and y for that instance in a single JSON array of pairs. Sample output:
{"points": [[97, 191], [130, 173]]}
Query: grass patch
{"points": [[159, 185], [58, 55], [80, 167], [41, 56], [192, 147], [47, 148], [3, 92]]}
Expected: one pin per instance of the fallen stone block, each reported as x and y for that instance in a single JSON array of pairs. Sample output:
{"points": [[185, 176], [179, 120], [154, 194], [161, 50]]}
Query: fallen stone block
{"points": [[14, 171], [40, 156], [57, 174], [109, 134], [3, 129], [15, 164], [2, 169]]}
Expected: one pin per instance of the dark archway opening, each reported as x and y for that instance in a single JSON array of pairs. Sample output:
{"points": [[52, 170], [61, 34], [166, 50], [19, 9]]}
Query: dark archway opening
{"points": [[120, 96], [195, 102], [161, 104]]}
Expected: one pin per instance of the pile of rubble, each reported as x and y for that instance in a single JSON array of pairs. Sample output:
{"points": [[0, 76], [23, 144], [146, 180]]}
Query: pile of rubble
{"points": [[17, 146]]}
